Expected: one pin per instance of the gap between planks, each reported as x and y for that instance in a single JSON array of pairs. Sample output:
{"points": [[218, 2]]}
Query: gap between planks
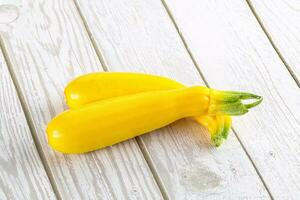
{"points": [[288, 67], [206, 83], [184, 42], [28, 119], [98, 52], [141, 145]]}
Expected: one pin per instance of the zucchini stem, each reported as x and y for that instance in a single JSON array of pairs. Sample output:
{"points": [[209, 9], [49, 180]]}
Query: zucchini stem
{"points": [[231, 102]]}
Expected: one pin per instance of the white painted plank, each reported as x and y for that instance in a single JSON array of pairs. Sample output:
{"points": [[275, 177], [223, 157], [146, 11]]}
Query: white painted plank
{"points": [[281, 20], [47, 46], [22, 174], [139, 36], [234, 53]]}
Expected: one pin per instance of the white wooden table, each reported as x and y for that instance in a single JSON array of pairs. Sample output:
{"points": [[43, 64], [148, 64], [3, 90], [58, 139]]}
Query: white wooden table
{"points": [[237, 45]]}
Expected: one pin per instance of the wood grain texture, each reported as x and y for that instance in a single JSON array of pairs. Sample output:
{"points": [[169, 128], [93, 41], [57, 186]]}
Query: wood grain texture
{"points": [[47, 46], [281, 20], [139, 36], [234, 53], [22, 174]]}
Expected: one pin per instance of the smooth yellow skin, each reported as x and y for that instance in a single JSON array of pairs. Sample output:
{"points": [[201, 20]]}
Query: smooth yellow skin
{"points": [[104, 85], [110, 121]]}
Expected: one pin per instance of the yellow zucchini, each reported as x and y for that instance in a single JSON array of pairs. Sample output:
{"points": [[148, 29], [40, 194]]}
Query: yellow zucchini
{"points": [[104, 123], [104, 85]]}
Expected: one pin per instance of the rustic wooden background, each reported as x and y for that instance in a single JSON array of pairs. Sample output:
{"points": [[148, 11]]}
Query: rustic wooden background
{"points": [[251, 45]]}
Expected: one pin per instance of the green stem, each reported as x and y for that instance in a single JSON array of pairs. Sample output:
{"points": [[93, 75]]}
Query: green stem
{"points": [[231, 102]]}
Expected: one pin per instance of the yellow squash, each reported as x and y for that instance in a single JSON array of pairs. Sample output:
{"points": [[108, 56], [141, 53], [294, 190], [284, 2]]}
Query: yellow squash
{"points": [[104, 123], [103, 85]]}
